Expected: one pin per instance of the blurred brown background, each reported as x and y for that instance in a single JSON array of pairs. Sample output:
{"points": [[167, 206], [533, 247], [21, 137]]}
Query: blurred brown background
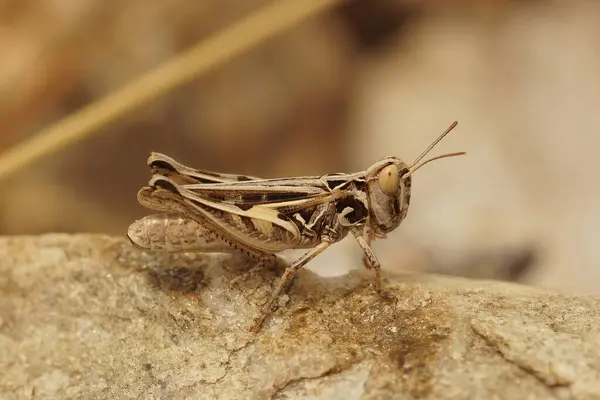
{"points": [[370, 79]]}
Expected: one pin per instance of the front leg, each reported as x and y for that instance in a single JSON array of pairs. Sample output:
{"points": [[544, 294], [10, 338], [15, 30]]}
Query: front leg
{"points": [[373, 262], [367, 234], [287, 276]]}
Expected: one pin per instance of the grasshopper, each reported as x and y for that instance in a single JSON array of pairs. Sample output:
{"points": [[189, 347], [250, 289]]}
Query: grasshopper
{"points": [[215, 212]]}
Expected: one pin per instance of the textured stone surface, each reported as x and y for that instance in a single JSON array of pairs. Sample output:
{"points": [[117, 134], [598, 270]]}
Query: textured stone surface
{"points": [[89, 317]]}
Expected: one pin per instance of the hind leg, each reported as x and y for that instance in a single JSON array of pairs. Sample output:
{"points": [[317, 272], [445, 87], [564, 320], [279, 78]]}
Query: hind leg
{"points": [[288, 275]]}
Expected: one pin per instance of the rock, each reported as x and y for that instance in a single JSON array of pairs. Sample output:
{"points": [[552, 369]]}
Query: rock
{"points": [[90, 317]]}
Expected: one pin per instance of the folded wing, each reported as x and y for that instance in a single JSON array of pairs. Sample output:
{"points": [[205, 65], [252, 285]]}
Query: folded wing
{"points": [[262, 223]]}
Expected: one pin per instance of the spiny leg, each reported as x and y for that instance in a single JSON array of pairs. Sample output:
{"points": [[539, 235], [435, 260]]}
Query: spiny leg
{"points": [[374, 263], [367, 235], [287, 276]]}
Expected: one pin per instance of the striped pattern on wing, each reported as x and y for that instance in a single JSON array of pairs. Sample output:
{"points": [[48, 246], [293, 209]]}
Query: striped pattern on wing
{"points": [[260, 226], [182, 174]]}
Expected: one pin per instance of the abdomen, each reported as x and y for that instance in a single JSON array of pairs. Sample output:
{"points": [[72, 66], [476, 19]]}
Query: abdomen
{"points": [[174, 233]]}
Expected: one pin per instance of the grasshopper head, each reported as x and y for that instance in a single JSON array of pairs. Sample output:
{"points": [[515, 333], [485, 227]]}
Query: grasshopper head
{"points": [[389, 193], [389, 183]]}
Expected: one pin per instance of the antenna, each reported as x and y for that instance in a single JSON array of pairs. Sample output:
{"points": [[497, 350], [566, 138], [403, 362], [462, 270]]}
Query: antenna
{"points": [[432, 145], [412, 170], [414, 166]]}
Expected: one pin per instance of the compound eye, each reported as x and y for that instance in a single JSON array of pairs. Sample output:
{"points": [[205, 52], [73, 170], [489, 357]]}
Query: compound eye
{"points": [[389, 180]]}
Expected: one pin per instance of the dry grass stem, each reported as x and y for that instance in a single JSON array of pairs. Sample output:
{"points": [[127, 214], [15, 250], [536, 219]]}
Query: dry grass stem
{"points": [[239, 37]]}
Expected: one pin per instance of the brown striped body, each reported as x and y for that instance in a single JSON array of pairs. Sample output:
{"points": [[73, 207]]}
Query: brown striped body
{"points": [[212, 212], [267, 216]]}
